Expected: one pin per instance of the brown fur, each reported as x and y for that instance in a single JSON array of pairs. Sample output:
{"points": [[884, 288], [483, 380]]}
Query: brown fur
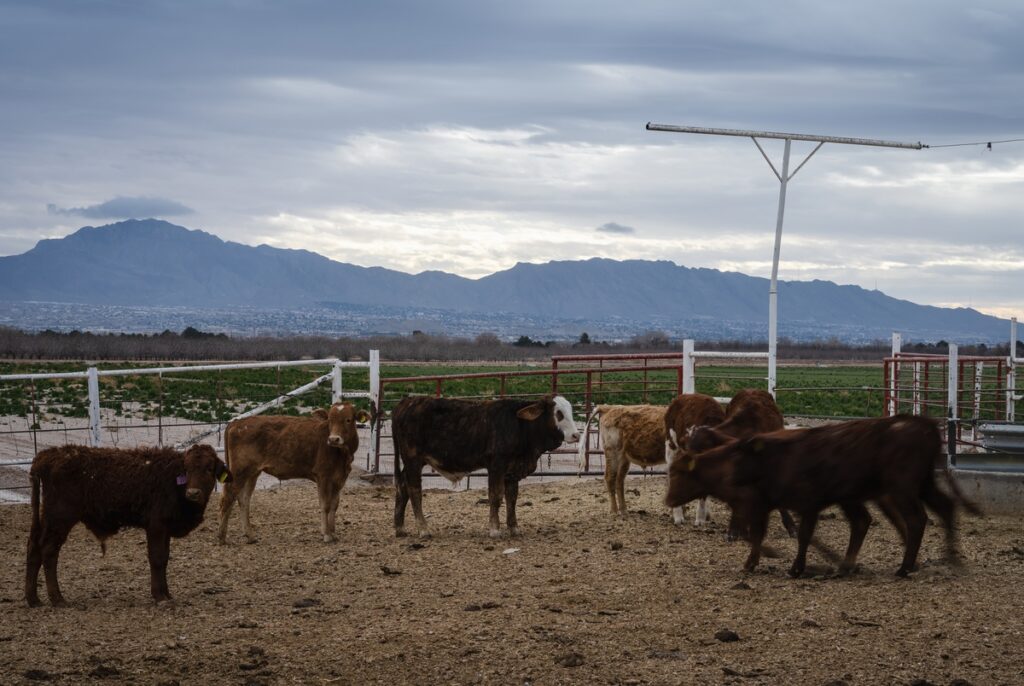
{"points": [[890, 460], [319, 447], [108, 489], [687, 411], [630, 434]]}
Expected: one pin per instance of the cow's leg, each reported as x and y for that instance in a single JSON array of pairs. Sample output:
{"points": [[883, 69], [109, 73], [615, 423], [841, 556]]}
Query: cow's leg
{"points": [[703, 513], [758, 525], [892, 513], [678, 512], [328, 491], [495, 492], [860, 521], [735, 527], [808, 520], [788, 523], [414, 482], [611, 466], [945, 508], [54, 533], [158, 545], [227, 502], [332, 515], [915, 519], [245, 489], [622, 469], [511, 495]]}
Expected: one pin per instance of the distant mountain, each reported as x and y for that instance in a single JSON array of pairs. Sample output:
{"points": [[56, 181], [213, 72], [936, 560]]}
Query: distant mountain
{"points": [[155, 263]]}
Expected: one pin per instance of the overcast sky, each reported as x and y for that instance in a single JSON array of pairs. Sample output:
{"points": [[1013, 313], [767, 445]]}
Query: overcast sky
{"points": [[467, 136]]}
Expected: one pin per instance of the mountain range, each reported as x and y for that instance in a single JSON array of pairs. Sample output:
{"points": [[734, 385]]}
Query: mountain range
{"points": [[157, 264]]}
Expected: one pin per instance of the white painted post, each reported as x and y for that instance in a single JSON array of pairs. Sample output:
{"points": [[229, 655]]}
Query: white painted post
{"points": [[1011, 372], [773, 290], [94, 407], [951, 410], [336, 384], [378, 412], [897, 345], [917, 388], [689, 383]]}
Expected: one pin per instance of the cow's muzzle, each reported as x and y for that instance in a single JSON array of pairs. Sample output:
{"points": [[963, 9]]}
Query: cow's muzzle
{"points": [[334, 440], [194, 494]]}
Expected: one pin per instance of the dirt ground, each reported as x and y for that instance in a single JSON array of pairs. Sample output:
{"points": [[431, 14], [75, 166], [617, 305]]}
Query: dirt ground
{"points": [[580, 597]]}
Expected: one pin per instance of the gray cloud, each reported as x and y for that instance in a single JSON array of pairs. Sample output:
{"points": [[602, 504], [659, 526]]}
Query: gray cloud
{"points": [[125, 208], [612, 227]]}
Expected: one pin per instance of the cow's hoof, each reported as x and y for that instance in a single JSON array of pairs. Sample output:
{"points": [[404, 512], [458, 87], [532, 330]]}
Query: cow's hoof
{"points": [[222, 540], [795, 572], [33, 601], [495, 533], [903, 572], [400, 533], [513, 531], [848, 569], [330, 538], [59, 602], [250, 539], [425, 534]]}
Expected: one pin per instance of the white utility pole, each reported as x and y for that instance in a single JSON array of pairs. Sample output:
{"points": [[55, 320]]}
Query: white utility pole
{"points": [[784, 179]]}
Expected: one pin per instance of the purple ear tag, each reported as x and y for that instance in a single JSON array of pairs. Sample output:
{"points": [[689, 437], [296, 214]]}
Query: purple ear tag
{"points": [[181, 480]]}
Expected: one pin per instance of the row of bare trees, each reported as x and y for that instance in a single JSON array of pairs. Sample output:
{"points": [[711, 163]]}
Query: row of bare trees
{"points": [[192, 344]]}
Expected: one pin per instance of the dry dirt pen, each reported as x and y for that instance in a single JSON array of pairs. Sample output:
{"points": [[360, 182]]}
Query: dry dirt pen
{"points": [[579, 598]]}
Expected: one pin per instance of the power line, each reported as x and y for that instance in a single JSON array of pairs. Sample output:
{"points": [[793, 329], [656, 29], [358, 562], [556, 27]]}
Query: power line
{"points": [[987, 144]]}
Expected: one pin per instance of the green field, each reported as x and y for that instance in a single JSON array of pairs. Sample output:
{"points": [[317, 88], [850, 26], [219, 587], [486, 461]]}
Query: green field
{"points": [[803, 390]]}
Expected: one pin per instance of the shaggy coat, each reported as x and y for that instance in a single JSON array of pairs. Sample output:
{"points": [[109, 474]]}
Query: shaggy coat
{"points": [[505, 437], [319, 447], [157, 489], [630, 434], [890, 460]]}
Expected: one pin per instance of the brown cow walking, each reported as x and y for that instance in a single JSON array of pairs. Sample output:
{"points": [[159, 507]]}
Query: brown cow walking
{"points": [[890, 460], [319, 447], [157, 489]]}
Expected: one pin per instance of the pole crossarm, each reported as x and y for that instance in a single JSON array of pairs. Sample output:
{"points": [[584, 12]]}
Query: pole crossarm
{"points": [[784, 136]]}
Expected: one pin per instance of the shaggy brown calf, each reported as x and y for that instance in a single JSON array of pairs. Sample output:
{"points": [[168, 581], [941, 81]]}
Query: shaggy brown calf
{"points": [[157, 489], [751, 411], [455, 437], [319, 447], [684, 414], [891, 460]]}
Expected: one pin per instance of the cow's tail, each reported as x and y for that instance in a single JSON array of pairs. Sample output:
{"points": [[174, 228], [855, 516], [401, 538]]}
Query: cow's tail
{"points": [[36, 529], [967, 504], [582, 449], [398, 453]]}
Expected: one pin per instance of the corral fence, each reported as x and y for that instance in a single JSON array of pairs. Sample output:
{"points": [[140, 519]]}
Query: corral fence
{"points": [[976, 395], [585, 380], [168, 405]]}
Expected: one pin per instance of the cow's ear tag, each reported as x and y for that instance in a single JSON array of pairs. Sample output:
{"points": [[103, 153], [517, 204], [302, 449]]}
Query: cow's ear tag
{"points": [[223, 476], [181, 480], [691, 465]]}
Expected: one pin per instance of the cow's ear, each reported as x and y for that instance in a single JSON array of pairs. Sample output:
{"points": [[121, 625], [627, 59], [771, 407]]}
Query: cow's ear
{"points": [[318, 413], [531, 412], [362, 416]]}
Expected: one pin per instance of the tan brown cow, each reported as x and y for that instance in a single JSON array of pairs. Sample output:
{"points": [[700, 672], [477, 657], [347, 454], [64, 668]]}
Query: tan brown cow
{"points": [[684, 414], [630, 434], [319, 447]]}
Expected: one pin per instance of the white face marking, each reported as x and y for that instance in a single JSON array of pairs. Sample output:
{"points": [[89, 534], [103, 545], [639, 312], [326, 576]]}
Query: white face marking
{"points": [[564, 420]]}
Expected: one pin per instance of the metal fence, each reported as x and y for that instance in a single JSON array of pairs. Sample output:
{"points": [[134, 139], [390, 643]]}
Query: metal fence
{"points": [[167, 405]]}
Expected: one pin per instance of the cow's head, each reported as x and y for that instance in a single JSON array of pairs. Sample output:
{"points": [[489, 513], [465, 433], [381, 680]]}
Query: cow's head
{"points": [[203, 469], [341, 424], [697, 439], [555, 415]]}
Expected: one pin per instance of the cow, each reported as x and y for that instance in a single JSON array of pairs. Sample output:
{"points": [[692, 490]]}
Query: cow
{"points": [[455, 437], [319, 447], [630, 435], [684, 414], [160, 490], [890, 460], [751, 411]]}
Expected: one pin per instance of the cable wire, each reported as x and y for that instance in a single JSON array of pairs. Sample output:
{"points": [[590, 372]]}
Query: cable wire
{"points": [[988, 144]]}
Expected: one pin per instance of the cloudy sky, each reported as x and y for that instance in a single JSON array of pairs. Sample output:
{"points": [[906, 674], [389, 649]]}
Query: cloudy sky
{"points": [[467, 136]]}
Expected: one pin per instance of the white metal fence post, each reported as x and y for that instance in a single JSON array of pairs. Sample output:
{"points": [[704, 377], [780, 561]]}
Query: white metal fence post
{"points": [[94, 407], [376, 409], [897, 345], [689, 383], [951, 409], [1011, 373], [336, 383]]}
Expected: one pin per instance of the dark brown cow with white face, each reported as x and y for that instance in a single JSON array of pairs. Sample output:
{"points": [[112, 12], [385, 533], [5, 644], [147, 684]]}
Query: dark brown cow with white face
{"points": [[455, 437], [890, 460], [319, 447], [157, 489]]}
